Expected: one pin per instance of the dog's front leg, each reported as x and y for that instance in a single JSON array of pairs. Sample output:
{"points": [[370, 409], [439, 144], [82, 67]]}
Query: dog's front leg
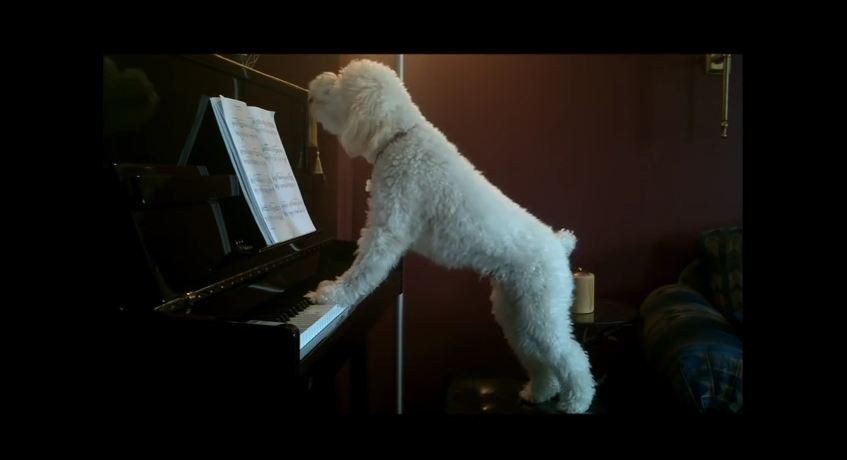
{"points": [[380, 248]]}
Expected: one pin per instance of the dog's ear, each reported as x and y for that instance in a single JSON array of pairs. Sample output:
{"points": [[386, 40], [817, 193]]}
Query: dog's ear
{"points": [[325, 102], [365, 119], [323, 84], [373, 94]]}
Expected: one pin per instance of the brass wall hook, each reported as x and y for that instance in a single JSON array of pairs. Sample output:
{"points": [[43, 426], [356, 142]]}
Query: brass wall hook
{"points": [[719, 64]]}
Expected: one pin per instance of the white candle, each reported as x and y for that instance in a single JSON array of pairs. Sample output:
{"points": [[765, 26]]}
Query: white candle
{"points": [[583, 301]]}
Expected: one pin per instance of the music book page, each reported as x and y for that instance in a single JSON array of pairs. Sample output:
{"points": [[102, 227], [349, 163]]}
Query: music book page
{"points": [[263, 170]]}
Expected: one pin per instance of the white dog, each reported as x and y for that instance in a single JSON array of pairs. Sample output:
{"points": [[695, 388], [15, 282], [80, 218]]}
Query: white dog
{"points": [[425, 196]]}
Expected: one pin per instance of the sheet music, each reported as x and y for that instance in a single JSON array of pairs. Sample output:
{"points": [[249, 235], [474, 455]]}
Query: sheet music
{"points": [[266, 177]]}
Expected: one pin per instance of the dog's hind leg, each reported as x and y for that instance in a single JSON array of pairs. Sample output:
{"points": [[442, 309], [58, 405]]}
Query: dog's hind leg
{"points": [[542, 386], [576, 380], [559, 365], [537, 326], [543, 383]]}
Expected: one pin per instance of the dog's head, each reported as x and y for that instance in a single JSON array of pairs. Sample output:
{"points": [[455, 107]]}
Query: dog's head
{"points": [[364, 105]]}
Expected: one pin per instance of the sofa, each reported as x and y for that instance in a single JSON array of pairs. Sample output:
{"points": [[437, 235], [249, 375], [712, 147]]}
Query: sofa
{"points": [[692, 329]]}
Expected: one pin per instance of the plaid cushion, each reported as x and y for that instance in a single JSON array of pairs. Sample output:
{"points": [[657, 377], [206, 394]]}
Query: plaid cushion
{"points": [[721, 254], [695, 349]]}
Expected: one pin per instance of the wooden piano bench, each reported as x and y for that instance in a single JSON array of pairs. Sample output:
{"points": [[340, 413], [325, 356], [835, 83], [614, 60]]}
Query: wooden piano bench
{"points": [[499, 396]]}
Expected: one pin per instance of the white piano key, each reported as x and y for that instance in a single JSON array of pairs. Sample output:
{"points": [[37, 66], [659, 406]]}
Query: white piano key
{"points": [[313, 321]]}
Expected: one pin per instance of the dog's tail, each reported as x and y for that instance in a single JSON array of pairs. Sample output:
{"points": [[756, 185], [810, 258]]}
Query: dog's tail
{"points": [[568, 240]]}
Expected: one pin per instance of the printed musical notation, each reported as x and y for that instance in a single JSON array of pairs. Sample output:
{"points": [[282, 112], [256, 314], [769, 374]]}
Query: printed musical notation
{"points": [[293, 208], [262, 183], [273, 153], [251, 155], [247, 133], [263, 170], [285, 210], [283, 180], [239, 124], [262, 123]]}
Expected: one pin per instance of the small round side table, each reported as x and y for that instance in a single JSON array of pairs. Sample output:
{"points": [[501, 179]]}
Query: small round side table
{"points": [[608, 316]]}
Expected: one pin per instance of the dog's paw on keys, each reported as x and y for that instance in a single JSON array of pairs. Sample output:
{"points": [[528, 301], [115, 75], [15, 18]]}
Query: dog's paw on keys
{"points": [[312, 296], [327, 293]]}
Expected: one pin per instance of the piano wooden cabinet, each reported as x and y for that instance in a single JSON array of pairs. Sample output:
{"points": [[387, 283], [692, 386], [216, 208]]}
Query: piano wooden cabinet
{"points": [[177, 356], [198, 309]]}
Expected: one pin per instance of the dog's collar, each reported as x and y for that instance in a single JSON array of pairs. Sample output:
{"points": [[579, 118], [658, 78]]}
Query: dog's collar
{"points": [[393, 139]]}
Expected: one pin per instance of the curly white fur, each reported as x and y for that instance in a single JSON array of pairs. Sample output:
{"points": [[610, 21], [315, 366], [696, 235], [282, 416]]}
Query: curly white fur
{"points": [[427, 197]]}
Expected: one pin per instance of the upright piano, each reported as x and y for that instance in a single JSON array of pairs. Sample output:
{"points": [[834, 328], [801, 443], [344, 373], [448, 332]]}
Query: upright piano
{"points": [[199, 307]]}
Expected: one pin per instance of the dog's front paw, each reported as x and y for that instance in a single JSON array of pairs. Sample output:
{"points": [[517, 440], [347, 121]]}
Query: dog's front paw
{"points": [[328, 293]]}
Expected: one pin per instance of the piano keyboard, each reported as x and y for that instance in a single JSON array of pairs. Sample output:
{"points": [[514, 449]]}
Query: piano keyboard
{"points": [[314, 322]]}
